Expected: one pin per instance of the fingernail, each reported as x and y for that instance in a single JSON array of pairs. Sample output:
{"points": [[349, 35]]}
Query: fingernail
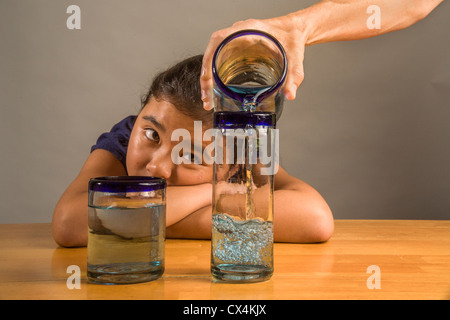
{"points": [[203, 71], [204, 96], [292, 92], [206, 106]]}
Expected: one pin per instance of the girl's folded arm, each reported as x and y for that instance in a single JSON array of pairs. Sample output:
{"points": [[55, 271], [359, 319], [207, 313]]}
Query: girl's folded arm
{"points": [[300, 213], [70, 223]]}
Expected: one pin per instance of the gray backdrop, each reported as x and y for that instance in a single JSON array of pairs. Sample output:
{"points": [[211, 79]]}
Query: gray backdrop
{"points": [[369, 128]]}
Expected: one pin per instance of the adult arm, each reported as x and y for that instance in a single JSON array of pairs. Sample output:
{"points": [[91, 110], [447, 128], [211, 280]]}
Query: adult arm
{"points": [[326, 21]]}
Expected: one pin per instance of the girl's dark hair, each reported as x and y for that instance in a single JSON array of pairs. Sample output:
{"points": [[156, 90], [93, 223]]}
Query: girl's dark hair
{"points": [[180, 85]]}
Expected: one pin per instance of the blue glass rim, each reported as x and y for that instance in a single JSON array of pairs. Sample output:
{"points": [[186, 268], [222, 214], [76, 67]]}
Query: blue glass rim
{"points": [[242, 119], [123, 184], [224, 88]]}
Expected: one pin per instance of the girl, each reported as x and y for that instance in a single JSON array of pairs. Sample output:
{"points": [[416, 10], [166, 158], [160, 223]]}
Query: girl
{"points": [[142, 145]]}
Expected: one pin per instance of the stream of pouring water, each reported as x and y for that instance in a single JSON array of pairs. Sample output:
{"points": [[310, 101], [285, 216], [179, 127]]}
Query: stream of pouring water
{"points": [[249, 201], [250, 208]]}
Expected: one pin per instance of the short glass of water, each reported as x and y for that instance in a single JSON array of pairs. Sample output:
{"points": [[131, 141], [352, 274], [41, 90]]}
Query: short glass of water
{"points": [[127, 226]]}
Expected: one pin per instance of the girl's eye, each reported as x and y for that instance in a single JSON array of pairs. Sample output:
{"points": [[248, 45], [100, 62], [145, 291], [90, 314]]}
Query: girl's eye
{"points": [[152, 135]]}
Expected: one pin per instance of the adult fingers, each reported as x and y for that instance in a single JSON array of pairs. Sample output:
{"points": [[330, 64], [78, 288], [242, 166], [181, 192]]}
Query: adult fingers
{"points": [[295, 73], [206, 81]]}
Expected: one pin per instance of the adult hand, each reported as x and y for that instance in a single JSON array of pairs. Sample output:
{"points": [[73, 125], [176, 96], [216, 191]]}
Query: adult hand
{"points": [[288, 30], [323, 22]]}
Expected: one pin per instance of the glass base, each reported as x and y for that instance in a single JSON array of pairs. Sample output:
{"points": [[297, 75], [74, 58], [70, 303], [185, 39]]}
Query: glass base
{"points": [[124, 273], [239, 273]]}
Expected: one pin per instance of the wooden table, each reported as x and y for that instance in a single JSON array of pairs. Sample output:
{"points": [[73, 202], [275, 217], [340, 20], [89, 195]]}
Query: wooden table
{"points": [[413, 258]]}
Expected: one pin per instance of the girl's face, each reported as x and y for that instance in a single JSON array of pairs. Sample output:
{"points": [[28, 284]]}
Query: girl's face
{"points": [[150, 146]]}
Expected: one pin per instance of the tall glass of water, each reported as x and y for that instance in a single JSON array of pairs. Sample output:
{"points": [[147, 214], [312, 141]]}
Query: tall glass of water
{"points": [[249, 69], [127, 224]]}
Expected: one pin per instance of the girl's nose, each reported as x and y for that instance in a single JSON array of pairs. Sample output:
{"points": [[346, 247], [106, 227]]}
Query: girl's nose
{"points": [[161, 165]]}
